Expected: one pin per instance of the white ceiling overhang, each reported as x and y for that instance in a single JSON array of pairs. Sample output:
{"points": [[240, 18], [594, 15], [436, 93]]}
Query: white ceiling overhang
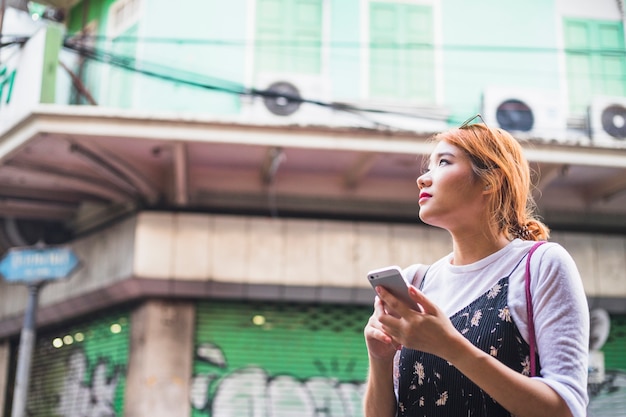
{"points": [[83, 165]]}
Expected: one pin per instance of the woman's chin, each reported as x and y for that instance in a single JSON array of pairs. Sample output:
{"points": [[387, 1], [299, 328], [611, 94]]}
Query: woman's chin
{"points": [[423, 215]]}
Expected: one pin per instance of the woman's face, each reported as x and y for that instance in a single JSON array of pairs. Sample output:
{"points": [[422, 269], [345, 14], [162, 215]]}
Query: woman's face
{"points": [[451, 196]]}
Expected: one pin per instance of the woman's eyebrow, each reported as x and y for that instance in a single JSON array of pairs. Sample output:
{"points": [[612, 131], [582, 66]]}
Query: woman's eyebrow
{"points": [[437, 156]]}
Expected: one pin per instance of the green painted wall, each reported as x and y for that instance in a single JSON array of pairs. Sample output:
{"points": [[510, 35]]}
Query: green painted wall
{"points": [[96, 10], [208, 48], [211, 48], [519, 49], [345, 53], [87, 13]]}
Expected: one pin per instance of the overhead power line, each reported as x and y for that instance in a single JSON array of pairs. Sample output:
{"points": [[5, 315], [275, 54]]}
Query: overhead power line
{"points": [[357, 45], [12, 40], [217, 84]]}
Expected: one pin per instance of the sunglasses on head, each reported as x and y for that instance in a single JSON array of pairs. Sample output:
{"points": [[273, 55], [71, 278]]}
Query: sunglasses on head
{"points": [[469, 121]]}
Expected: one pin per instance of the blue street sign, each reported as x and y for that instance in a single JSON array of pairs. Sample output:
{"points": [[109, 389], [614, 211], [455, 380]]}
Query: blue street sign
{"points": [[31, 264]]}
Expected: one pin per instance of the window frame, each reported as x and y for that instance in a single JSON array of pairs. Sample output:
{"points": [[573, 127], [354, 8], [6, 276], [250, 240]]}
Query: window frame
{"points": [[252, 50], [436, 98], [593, 55]]}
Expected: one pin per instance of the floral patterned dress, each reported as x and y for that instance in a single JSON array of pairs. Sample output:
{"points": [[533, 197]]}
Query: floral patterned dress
{"points": [[430, 386]]}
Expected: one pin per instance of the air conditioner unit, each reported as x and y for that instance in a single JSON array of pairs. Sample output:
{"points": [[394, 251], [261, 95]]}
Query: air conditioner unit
{"points": [[607, 121], [526, 113], [288, 99]]}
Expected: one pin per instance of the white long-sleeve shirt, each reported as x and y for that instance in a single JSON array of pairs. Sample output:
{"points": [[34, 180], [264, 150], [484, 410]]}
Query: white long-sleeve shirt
{"points": [[561, 314]]}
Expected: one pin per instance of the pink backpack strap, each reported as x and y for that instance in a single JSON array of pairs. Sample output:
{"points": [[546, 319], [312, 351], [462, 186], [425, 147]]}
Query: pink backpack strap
{"points": [[418, 277], [529, 311]]}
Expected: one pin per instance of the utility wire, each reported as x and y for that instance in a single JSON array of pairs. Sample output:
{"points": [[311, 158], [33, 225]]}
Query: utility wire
{"points": [[355, 45], [230, 87], [538, 69], [216, 84], [11, 40]]}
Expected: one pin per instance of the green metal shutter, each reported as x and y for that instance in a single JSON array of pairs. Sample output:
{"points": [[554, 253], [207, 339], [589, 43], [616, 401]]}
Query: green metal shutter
{"points": [[401, 52], [81, 369], [287, 359], [289, 36], [608, 399], [615, 347], [595, 59]]}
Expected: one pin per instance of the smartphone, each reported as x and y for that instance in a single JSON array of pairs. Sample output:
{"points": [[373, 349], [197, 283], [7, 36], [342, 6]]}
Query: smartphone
{"points": [[391, 278]]}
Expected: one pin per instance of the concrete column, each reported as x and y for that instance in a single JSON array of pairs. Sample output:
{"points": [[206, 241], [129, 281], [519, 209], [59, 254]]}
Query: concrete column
{"points": [[4, 372], [160, 360]]}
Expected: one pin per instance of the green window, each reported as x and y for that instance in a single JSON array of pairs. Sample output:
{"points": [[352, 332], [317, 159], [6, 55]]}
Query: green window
{"points": [[596, 64], [401, 52], [289, 36]]}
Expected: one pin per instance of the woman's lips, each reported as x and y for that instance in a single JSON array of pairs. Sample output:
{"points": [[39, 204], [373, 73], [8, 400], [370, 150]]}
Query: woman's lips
{"points": [[424, 197]]}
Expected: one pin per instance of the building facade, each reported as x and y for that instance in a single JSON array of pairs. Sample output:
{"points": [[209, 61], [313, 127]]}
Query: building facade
{"points": [[227, 173]]}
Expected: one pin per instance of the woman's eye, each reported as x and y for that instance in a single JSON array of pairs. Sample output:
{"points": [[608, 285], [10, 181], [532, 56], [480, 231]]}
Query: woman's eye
{"points": [[443, 162]]}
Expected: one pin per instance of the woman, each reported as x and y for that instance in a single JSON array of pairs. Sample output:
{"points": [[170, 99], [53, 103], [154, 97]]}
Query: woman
{"points": [[467, 352]]}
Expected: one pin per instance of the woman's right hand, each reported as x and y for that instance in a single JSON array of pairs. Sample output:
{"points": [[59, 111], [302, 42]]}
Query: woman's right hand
{"points": [[379, 344]]}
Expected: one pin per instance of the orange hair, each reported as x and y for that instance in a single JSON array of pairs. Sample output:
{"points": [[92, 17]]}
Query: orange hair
{"points": [[498, 160]]}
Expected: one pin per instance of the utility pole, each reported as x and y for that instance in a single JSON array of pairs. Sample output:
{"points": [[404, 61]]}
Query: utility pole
{"points": [[25, 353], [33, 266]]}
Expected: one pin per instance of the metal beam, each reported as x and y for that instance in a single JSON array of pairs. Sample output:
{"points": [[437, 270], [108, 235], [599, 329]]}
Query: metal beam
{"points": [[64, 180], [33, 209], [11, 190], [274, 157], [100, 165], [359, 169], [547, 176], [607, 190], [115, 169]]}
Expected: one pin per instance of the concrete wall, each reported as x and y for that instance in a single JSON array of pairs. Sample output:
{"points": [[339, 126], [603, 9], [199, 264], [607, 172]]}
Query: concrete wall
{"points": [[171, 247], [106, 257], [316, 252], [156, 386], [276, 251], [601, 260]]}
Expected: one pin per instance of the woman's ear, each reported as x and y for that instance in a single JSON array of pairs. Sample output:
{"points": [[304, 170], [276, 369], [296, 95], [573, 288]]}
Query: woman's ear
{"points": [[487, 190], [492, 183]]}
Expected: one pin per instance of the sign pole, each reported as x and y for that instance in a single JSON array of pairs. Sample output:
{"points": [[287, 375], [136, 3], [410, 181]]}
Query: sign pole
{"points": [[33, 266], [25, 353]]}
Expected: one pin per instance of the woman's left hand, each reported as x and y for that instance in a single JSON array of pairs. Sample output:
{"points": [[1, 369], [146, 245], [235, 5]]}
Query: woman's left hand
{"points": [[429, 330]]}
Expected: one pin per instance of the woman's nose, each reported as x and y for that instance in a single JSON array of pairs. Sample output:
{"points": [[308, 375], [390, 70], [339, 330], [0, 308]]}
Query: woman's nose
{"points": [[422, 180]]}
